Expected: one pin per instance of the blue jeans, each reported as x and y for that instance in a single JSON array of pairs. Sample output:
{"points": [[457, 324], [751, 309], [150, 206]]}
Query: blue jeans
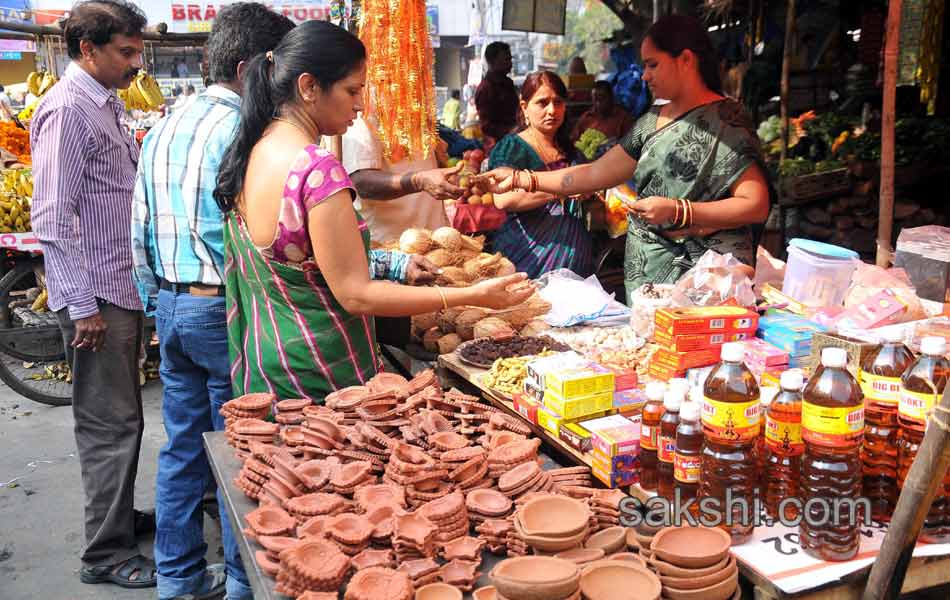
{"points": [[196, 376]]}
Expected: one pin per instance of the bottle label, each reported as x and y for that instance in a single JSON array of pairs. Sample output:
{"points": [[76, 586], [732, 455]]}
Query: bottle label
{"points": [[832, 426], [882, 390], [648, 436], [731, 421], [686, 468], [784, 436], [915, 406], [667, 448]]}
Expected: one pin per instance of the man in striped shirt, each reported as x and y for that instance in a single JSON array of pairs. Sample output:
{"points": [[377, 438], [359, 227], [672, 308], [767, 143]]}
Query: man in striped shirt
{"points": [[178, 251], [84, 162]]}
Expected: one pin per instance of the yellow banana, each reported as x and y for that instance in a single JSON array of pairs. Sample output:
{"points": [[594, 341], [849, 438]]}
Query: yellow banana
{"points": [[49, 80], [26, 184], [33, 83]]}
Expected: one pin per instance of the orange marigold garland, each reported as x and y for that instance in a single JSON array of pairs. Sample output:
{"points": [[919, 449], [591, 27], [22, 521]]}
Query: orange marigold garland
{"points": [[400, 95]]}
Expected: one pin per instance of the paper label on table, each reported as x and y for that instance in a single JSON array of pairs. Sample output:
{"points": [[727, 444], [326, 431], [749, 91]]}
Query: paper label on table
{"points": [[731, 421], [774, 553]]}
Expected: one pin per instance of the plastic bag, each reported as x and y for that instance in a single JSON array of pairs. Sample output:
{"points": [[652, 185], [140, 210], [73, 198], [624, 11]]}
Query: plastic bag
{"points": [[870, 280], [715, 280], [644, 302], [576, 300], [616, 209], [768, 269]]}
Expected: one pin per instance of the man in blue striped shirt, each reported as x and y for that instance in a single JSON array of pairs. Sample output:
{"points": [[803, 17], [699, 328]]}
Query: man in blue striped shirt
{"points": [[178, 255]]}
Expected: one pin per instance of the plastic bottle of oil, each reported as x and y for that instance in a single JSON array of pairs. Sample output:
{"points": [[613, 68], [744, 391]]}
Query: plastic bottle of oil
{"points": [[687, 458], [833, 429], [784, 446], [880, 376], [766, 395], [672, 401], [921, 389], [731, 423], [650, 434]]}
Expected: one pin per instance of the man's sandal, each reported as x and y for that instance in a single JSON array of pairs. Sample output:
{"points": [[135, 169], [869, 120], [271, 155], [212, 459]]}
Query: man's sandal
{"points": [[135, 573]]}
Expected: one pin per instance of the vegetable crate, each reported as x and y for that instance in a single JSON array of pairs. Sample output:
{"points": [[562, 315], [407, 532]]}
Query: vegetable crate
{"points": [[817, 186]]}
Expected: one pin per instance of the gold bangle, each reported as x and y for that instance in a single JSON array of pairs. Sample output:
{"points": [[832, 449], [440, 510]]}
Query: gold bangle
{"points": [[689, 205], [445, 303]]}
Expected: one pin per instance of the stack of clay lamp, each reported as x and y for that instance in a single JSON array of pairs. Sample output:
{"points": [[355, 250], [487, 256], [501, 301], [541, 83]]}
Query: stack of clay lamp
{"points": [[393, 475]]}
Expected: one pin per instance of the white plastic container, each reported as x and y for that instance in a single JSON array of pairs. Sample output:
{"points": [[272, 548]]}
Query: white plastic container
{"points": [[818, 275]]}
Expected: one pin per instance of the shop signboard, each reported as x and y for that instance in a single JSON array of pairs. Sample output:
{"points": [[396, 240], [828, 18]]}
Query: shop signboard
{"points": [[191, 17], [15, 11]]}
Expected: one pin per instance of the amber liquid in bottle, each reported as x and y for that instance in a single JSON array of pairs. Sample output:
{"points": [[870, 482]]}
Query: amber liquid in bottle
{"points": [[881, 374], [687, 459], [921, 388], [731, 425], [650, 435], [784, 447], [667, 445], [832, 428]]}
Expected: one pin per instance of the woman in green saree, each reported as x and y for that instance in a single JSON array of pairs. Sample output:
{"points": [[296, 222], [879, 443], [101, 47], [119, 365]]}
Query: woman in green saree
{"points": [[696, 162], [301, 284]]}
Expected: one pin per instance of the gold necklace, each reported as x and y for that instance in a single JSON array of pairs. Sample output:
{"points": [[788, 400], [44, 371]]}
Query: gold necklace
{"points": [[545, 157], [298, 126]]}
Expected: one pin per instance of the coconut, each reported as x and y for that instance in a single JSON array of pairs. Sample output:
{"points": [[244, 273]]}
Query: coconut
{"points": [[415, 241], [447, 238], [492, 326], [465, 323], [482, 266], [505, 267], [473, 244], [422, 323], [447, 317], [430, 340], [534, 328], [441, 258], [448, 343], [454, 277]]}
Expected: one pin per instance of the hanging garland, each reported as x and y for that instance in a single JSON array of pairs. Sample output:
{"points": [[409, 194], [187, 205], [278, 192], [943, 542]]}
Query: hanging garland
{"points": [[400, 96]]}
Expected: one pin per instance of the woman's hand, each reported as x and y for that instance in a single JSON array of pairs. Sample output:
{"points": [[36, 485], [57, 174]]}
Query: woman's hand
{"points": [[421, 271], [496, 181], [654, 210], [502, 292]]}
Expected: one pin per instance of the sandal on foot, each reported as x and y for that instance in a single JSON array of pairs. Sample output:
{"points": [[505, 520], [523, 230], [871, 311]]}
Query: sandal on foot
{"points": [[135, 573]]}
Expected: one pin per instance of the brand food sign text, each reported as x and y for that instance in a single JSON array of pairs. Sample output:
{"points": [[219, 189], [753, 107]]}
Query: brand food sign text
{"points": [[199, 17]]}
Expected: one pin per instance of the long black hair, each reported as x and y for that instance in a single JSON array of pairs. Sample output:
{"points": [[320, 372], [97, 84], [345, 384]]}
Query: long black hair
{"points": [[675, 33], [326, 51], [530, 87]]}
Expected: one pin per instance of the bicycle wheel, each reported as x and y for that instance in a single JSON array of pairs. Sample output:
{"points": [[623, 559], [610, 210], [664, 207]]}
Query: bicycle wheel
{"points": [[37, 380]]}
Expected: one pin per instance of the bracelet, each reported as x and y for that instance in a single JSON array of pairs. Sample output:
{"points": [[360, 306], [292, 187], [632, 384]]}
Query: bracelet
{"points": [[676, 213], [516, 180], [534, 181], [689, 210], [445, 303], [685, 214]]}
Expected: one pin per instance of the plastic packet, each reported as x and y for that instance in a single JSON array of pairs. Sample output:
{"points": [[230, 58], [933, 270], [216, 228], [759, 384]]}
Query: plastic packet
{"points": [[644, 302], [715, 280]]}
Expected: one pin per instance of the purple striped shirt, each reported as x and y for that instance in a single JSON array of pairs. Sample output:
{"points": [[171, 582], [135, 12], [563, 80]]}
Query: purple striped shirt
{"points": [[84, 163]]}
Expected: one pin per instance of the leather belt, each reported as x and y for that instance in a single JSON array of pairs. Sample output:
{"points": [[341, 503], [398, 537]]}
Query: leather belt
{"points": [[192, 289]]}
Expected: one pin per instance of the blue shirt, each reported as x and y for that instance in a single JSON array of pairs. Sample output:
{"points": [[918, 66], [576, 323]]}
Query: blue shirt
{"points": [[177, 228]]}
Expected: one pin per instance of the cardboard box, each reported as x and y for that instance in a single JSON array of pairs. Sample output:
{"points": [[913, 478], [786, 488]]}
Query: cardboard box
{"points": [[789, 333], [699, 341], [572, 408], [857, 350], [630, 400], [575, 436], [624, 379], [553, 422], [579, 382], [664, 373], [682, 361], [883, 308], [614, 435], [773, 295], [538, 368], [704, 319], [619, 463], [527, 407], [615, 479], [759, 351], [532, 391]]}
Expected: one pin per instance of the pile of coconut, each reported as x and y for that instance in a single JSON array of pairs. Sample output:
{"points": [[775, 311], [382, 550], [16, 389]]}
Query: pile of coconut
{"points": [[463, 263]]}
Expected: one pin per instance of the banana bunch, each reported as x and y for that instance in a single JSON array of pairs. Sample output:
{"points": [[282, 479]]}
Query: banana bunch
{"points": [[143, 94], [15, 200], [38, 83]]}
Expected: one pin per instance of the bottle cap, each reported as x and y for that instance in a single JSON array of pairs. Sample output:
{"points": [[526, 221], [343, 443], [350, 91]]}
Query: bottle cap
{"points": [[792, 380], [834, 357], [733, 352], [767, 393], [679, 384], [696, 396], [655, 391], [892, 336], [672, 400], [933, 346], [689, 411]]}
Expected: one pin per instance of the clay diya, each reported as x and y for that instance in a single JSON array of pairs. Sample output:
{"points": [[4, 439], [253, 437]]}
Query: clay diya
{"points": [[275, 544], [374, 558], [349, 529], [487, 592], [313, 474], [535, 578], [270, 520], [694, 582], [448, 440], [376, 495], [519, 476], [351, 474], [515, 452], [315, 504], [581, 556], [488, 502], [379, 582], [324, 426], [461, 573], [438, 591], [618, 580], [347, 398], [386, 382], [413, 527], [293, 405], [664, 568], [252, 402], [630, 556], [463, 548], [691, 547], [718, 591], [419, 568], [313, 527], [557, 516], [551, 544], [610, 540], [268, 565], [316, 559]]}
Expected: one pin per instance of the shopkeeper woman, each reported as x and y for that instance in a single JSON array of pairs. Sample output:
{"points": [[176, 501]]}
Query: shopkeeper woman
{"points": [[696, 162], [299, 293], [543, 231]]}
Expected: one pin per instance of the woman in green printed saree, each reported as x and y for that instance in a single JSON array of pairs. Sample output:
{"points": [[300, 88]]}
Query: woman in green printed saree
{"points": [[696, 162], [302, 285]]}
